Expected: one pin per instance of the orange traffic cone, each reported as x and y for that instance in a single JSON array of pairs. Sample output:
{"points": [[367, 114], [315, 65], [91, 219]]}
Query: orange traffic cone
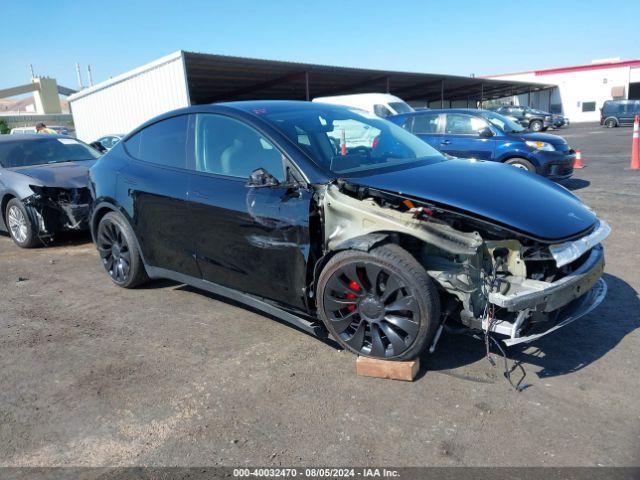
{"points": [[577, 163], [635, 145]]}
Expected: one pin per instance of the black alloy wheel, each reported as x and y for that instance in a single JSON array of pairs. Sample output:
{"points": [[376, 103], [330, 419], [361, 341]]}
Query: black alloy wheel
{"points": [[114, 252], [118, 251], [374, 310]]}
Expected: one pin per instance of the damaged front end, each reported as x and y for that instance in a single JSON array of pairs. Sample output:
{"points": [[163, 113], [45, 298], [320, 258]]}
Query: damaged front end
{"points": [[491, 278], [59, 209]]}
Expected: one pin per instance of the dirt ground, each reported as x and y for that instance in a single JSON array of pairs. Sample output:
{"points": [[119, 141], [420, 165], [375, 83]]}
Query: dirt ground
{"points": [[92, 374]]}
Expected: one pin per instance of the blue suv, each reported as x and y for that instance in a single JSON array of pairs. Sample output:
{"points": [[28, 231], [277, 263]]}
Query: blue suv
{"points": [[486, 135]]}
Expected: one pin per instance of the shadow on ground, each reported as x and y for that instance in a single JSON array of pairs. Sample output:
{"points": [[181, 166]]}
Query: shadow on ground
{"points": [[575, 183], [63, 239], [568, 350], [328, 341]]}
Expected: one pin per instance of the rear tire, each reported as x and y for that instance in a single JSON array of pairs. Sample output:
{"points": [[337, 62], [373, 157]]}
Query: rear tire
{"points": [[22, 224], [521, 163], [119, 252], [535, 126], [610, 123], [379, 304]]}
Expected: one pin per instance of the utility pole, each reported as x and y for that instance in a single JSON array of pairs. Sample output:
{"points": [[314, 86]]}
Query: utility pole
{"points": [[80, 86], [90, 77], [31, 70]]}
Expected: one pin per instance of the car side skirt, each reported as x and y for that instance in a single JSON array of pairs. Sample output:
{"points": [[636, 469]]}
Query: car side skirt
{"points": [[244, 298]]}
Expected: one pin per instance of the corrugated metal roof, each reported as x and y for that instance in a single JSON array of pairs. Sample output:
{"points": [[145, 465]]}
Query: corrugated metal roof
{"points": [[213, 78]]}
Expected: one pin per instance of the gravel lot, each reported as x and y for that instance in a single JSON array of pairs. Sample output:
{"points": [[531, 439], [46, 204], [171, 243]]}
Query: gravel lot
{"points": [[168, 375]]}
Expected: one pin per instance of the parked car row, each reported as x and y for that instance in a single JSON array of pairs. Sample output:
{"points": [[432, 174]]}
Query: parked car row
{"points": [[487, 135], [364, 230]]}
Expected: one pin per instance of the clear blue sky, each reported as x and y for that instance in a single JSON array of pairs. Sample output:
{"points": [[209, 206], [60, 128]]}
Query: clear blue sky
{"points": [[456, 37]]}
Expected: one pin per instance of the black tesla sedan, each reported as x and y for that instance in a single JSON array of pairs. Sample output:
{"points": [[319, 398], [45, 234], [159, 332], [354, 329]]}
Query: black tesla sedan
{"points": [[43, 186], [338, 221]]}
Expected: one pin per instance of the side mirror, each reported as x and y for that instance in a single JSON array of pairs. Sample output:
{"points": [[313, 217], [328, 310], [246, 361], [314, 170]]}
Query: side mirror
{"points": [[98, 146], [485, 132], [260, 178]]}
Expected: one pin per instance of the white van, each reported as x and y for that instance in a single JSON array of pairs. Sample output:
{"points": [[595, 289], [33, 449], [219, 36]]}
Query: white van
{"points": [[380, 104]]}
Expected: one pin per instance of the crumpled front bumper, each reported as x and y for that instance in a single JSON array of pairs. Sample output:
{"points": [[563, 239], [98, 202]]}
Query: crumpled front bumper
{"points": [[572, 312], [564, 300], [58, 209]]}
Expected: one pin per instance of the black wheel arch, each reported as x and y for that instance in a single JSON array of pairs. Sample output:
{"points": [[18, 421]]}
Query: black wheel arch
{"points": [[99, 210], [611, 118], [363, 243]]}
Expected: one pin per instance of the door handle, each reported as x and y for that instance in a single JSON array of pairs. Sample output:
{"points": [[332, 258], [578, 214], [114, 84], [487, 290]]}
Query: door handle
{"points": [[197, 194], [129, 181], [445, 142]]}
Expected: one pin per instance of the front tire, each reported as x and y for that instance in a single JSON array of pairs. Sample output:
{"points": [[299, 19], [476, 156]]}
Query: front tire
{"points": [[521, 163], [119, 252], [379, 304], [536, 126], [22, 225]]}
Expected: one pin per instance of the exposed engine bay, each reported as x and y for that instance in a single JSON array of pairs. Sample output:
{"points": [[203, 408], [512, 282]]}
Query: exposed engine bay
{"points": [[493, 279]]}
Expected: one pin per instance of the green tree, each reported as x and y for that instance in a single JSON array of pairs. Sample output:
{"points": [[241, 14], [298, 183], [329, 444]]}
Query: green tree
{"points": [[4, 128]]}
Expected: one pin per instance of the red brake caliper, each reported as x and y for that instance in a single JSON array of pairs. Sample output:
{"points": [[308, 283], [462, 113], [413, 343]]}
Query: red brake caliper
{"points": [[353, 285]]}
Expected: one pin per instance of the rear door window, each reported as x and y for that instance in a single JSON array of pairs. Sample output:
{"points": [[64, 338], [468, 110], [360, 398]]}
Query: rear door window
{"points": [[460, 124], [163, 143], [426, 123]]}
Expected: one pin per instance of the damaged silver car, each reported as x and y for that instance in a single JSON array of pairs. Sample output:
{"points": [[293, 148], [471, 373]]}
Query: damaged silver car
{"points": [[43, 186], [341, 222]]}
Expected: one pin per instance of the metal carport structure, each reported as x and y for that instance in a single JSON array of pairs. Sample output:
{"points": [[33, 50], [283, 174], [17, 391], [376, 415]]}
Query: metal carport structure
{"points": [[187, 78], [214, 78]]}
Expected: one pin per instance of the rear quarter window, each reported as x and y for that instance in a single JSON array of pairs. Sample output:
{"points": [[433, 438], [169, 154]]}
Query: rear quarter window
{"points": [[163, 143], [425, 124]]}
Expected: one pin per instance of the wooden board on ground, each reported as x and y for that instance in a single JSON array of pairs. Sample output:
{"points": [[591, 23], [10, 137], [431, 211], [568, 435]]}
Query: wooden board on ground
{"points": [[373, 367]]}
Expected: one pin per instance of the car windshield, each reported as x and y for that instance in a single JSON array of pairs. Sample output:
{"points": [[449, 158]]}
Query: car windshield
{"points": [[346, 140], [503, 123], [401, 107], [24, 153]]}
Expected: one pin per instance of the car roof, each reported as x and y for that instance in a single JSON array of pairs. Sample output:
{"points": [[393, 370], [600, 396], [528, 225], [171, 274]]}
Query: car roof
{"points": [[252, 107]]}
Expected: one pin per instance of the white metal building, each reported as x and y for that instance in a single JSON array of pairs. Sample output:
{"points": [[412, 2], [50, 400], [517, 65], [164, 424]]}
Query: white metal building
{"points": [[187, 78], [124, 102], [581, 90]]}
